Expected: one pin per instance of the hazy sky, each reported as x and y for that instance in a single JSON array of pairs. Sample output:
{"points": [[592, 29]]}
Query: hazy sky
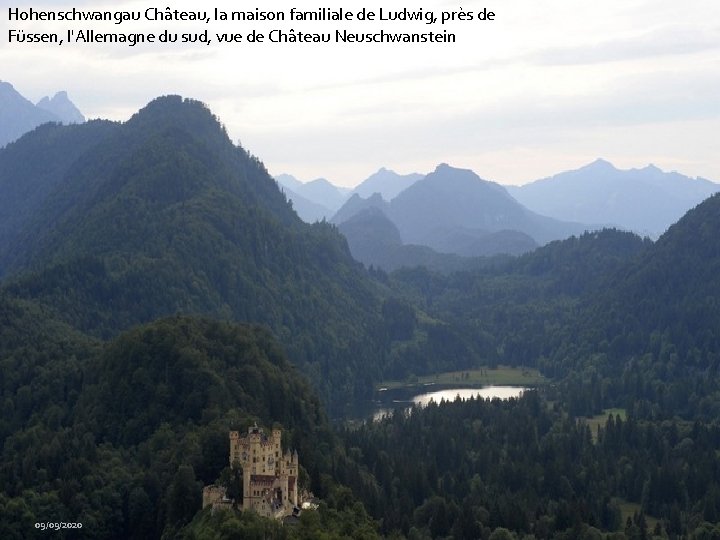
{"points": [[549, 85]]}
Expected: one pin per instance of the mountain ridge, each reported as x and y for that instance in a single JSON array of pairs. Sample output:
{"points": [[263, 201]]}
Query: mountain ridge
{"points": [[315, 200], [646, 200], [454, 211], [386, 182], [19, 115], [165, 215]]}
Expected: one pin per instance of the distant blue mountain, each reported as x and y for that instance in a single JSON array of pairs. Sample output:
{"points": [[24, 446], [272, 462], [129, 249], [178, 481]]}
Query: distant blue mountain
{"points": [[387, 183], [375, 240], [457, 200], [452, 211], [645, 200], [314, 200], [357, 204], [61, 106], [18, 115]]}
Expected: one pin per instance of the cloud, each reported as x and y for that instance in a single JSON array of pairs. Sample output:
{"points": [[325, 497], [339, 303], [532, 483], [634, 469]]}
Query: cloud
{"points": [[545, 74], [663, 42]]}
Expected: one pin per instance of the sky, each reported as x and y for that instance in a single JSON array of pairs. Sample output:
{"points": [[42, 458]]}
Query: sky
{"points": [[547, 86]]}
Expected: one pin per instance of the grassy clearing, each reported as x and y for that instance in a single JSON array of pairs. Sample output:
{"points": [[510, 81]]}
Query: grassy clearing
{"points": [[628, 509], [600, 420], [500, 376]]}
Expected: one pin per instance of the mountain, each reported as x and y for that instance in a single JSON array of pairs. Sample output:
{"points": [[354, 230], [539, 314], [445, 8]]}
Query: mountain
{"points": [[672, 291], [356, 204], [163, 158], [371, 235], [319, 199], [647, 338], [162, 215], [375, 225], [18, 115], [453, 211], [387, 183], [450, 199], [375, 241], [307, 210], [61, 106], [323, 192], [645, 200], [288, 181], [319, 193], [479, 243]]}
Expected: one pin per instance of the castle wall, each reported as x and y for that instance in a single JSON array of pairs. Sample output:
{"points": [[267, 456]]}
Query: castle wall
{"points": [[212, 494]]}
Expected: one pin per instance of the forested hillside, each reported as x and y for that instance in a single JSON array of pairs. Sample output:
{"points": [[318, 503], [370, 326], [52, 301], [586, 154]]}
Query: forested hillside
{"points": [[518, 311], [650, 335], [473, 469], [32, 169], [123, 436], [163, 215]]}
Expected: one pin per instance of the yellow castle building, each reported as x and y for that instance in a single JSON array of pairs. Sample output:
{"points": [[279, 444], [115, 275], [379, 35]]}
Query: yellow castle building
{"points": [[270, 477]]}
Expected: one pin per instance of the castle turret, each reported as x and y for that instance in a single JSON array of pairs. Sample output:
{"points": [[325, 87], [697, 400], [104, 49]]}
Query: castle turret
{"points": [[235, 455]]}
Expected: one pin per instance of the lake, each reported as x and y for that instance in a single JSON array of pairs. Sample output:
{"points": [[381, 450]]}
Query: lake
{"points": [[389, 401]]}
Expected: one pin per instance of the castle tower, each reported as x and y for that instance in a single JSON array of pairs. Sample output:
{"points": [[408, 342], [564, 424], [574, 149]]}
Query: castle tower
{"points": [[269, 476], [235, 448]]}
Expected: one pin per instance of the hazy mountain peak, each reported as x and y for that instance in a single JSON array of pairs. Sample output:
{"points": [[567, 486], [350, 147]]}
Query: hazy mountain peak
{"points": [[324, 182], [459, 201], [448, 178], [61, 106], [447, 168], [651, 167], [646, 200], [600, 165], [7, 89], [386, 182], [287, 180], [11, 100], [357, 203], [18, 115], [314, 200]]}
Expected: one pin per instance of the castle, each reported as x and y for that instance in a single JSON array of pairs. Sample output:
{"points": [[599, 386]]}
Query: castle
{"points": [[270, 478]]}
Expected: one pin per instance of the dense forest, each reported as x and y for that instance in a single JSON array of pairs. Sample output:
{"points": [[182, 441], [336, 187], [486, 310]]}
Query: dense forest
{"points": [[125, 434], [163, 215], [465, 469], [158, 290]]}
